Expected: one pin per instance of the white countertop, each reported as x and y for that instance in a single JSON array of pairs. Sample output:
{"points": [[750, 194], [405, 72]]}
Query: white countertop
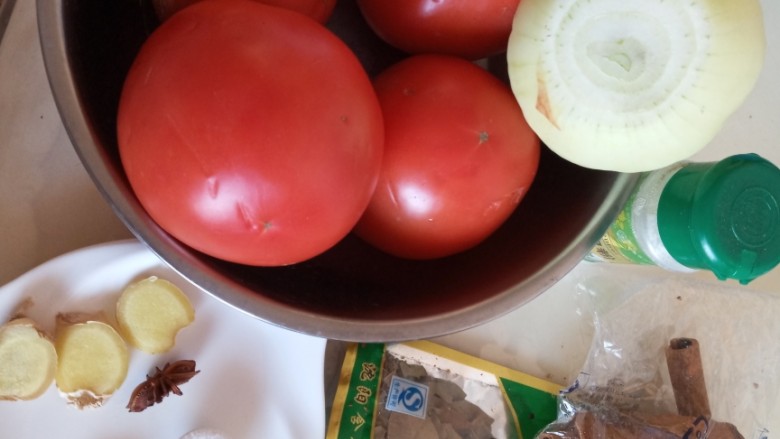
{"points": [[49, 206]]}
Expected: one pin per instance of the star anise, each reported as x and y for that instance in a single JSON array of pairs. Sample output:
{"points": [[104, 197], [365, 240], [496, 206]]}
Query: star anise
{"points": [[161, 384]]}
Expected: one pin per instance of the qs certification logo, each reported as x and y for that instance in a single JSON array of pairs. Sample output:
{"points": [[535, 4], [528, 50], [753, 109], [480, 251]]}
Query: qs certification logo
{"points": [[405, 396]]}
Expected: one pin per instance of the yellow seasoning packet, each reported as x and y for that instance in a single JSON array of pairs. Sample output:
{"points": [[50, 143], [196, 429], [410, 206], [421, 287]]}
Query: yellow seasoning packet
{"points": [[425, 390]]}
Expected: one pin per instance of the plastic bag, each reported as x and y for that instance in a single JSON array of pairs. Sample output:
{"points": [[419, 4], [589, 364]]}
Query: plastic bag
{"points": [[423, 390], [625, 387]]}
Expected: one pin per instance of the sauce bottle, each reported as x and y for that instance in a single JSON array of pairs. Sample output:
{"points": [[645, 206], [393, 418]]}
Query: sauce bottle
{"points": [[721, 216]]}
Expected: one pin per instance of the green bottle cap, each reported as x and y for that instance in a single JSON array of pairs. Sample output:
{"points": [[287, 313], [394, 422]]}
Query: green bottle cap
{"points": [[723, 217]]}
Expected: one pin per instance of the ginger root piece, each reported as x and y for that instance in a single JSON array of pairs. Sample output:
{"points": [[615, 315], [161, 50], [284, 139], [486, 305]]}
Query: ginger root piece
{"points": [[151, 312], [28, 360], [93, 360]]}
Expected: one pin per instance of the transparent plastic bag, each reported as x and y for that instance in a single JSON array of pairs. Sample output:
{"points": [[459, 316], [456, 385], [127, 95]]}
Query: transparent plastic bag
{"points": [[625, 389]]}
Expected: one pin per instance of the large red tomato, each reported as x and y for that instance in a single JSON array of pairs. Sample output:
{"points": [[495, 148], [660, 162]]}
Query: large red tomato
{"points": [[459, 157], [250, 133], [319, 10], [469, 28]]}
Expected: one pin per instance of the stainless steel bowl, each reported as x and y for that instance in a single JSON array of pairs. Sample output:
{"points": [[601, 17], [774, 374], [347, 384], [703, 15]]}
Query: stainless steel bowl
{"points": [[6, 6], [352, 292]]}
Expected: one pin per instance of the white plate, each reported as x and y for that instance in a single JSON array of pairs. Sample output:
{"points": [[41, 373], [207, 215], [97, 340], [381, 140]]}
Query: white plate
{"points": [[256, 380]]}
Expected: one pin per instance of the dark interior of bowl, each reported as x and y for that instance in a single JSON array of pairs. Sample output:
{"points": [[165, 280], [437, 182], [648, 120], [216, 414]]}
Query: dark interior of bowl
{"points": [[353, 280]]}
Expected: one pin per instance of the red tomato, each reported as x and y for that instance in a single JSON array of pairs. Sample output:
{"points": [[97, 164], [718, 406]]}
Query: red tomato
{"points": [[469, 28], [250, 133], [459, 157], [319, 10]]}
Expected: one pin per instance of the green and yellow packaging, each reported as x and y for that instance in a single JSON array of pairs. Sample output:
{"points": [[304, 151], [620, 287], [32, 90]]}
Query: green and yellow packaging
{"points": [[425, 390]]}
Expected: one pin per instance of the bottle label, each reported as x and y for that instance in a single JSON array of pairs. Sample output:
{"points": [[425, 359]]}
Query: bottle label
{"points": [[619, 245]]}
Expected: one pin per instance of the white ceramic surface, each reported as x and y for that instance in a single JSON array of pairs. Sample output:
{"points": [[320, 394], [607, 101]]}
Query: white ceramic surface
{"points": [[255, 380]]}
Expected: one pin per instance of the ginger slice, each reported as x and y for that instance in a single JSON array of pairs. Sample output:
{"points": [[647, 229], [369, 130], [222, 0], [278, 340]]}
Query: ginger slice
{"points": [[93, 361], [28, 360], [151, 313]]}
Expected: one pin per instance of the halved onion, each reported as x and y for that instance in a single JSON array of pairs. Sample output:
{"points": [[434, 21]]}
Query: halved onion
{"points": [[633, 85]]}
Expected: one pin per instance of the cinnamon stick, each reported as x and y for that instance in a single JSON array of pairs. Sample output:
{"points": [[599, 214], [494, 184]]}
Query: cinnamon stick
{"points": [[610, 425], [687, 377]]}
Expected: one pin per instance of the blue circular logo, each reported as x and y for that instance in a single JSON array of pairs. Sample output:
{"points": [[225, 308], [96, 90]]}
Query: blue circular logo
{"points": [[412, 399]]}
